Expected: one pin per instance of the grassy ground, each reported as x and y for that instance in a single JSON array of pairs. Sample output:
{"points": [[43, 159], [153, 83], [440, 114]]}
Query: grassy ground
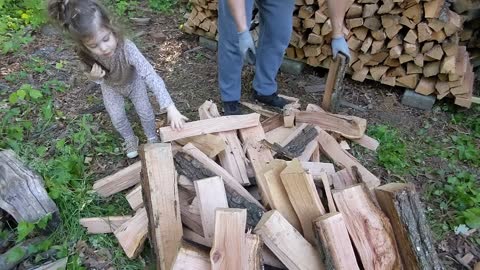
{"points": [[46, 117]]}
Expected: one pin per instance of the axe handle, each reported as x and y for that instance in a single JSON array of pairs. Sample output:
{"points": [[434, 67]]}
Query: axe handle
{"points": [[334, 79]]}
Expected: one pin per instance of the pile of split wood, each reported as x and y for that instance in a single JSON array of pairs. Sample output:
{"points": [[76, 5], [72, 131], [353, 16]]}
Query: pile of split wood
{"points": [[470, 35], [407, 43], [232, 192]]}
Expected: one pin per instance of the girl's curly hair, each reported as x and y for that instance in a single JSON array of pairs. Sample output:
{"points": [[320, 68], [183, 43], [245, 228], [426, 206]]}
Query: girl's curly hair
{"points": [[81, 19]]}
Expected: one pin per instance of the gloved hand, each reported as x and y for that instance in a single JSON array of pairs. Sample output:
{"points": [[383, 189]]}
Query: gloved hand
{"points": [[175, 118], [339, 44], [247, 47]]}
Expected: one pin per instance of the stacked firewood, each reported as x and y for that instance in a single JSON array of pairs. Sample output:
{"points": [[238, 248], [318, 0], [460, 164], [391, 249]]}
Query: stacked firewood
{"points": [[202, 20], [470, 35], [290, 178], [407, 43]]}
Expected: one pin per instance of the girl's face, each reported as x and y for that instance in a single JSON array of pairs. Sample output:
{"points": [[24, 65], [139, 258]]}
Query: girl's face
{"points": [[103, 43]]}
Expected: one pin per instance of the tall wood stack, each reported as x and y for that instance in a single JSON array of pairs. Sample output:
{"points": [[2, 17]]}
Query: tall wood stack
{"points": [[470, 35], [305, 215], [407, 43], [202, 20]]}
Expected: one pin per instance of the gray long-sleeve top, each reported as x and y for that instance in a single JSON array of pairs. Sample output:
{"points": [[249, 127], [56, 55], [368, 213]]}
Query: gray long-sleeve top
{"points": [[128, 64]]}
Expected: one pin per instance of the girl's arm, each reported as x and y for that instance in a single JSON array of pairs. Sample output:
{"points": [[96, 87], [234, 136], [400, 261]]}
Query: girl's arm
{"points": [[146, 71]]}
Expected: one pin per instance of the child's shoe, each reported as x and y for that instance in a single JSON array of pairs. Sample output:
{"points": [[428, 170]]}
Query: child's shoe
{"points": [[131, 147]]}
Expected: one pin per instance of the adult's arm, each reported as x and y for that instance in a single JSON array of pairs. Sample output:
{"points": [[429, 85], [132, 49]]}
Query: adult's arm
{"points": [[336, 10], [237, 9]]}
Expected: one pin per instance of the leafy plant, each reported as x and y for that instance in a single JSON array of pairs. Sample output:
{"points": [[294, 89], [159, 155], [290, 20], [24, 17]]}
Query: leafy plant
{"points": [[162, 5], [461, 194], [392, 150], [17, 19]]}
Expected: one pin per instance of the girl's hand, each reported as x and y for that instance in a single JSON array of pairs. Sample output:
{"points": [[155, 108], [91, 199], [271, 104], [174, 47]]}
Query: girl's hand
{"points": [[175, 118], [97, 73]]}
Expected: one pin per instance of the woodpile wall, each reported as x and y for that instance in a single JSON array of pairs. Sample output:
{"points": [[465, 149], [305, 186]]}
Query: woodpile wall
{"points": [[408, 43], [470, 35]]}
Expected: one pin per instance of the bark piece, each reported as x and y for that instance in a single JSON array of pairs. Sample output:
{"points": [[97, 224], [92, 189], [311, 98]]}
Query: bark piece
{"points": [[402, 205], [196, 165], [22, 192]]}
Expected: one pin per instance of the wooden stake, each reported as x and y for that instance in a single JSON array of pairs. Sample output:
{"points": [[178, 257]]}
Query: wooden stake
{"points": [[332, 149], [328, 193], [160, 197], [228, 250], [209, 144], [211, 195], [253, 245], [334, 242], [287, 243], [348, 126], [218, 124], [303, 196], [278, 194], [132, 234], [121, 180], [258, 156], [191, 258], [233, 158], [97, 225]]}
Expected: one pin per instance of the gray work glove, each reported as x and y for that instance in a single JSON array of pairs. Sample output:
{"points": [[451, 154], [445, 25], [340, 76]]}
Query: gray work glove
{"points": [[339, 44], [247, 47]]}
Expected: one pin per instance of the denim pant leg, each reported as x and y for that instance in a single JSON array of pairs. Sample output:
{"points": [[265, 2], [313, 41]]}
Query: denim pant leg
{"points": [[275, 31], [230, 62]]}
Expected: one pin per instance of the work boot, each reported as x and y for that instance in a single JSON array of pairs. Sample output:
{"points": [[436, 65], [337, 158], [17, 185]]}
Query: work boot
{"points": [[131, 147], [272, 100], [231, 108]]}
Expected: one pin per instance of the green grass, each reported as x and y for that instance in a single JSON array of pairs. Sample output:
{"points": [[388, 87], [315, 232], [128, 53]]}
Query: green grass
{"points": [[392, 150], [56, 147], [453, 193]]}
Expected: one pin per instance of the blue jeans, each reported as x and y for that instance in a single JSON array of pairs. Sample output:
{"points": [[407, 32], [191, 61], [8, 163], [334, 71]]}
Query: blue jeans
{"points": [[275, 32]]}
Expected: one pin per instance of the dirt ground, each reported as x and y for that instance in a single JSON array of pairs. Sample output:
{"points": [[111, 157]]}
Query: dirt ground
{"points": [[190, 73]]}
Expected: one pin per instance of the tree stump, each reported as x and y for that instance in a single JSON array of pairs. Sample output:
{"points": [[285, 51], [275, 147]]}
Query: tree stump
{"points": [[22, 193]]}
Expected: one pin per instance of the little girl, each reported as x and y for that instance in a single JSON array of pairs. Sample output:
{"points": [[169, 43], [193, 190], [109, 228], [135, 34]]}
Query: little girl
{"points": [[117, 65]]}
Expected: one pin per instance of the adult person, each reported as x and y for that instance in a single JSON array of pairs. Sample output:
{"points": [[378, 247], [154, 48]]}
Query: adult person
{"points": [[236, 46]]}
